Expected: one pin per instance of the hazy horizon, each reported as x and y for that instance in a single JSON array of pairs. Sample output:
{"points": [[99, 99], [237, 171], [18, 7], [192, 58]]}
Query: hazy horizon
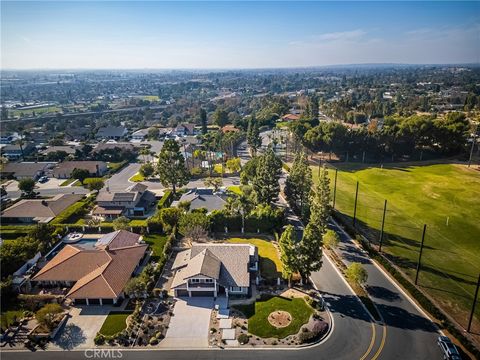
{"points": [[127, 35]]}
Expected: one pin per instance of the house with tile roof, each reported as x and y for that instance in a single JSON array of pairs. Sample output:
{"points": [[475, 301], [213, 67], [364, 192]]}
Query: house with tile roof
{"points": [[95, 275], [206, 198], [215, 269]]}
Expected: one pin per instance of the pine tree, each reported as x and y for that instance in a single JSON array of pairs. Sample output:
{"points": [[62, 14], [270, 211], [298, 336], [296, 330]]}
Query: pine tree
{"points": [[298, 185], [171, 166], [320, 210], [265, 183], [203, 120], [288, 253], [310, 247], [253, 135]]}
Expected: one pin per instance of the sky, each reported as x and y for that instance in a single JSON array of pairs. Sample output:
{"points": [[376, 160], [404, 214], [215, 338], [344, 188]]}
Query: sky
{"points": [[233, 34]]}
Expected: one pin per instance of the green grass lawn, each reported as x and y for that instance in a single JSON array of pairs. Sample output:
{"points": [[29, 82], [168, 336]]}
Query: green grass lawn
{"points": [[137, 178], [257, 314], [115, 166], [38, 111], [270, 263], [115, 322], [443, 196], [157, 243], [68, 182]]}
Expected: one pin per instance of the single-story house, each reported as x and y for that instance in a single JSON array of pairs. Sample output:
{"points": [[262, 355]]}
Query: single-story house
{"points": [[26, 170], [15, 151], [98, 275], [229, 128], [95, 168], [69, 149], [109, 146], [290, 117], [214, 269], [135, 201], [111, 132], [39, 210], [204, 198], [139, 135]]}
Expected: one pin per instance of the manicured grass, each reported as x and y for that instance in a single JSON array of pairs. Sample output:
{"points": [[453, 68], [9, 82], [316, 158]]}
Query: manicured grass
{"points": [[115, 166], [137, 178], [270, 263], [258, 312], [157, 243], [68, 182], [235, 189], [443, 196], [115, 322], [38, 111], [151, 97]]}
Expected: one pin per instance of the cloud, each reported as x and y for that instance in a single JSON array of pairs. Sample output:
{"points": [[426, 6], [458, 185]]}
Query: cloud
{"points": [[342, 35]]}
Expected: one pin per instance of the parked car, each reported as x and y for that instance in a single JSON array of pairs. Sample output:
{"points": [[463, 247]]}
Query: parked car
{"points": [[43, 179], [449, 350]]}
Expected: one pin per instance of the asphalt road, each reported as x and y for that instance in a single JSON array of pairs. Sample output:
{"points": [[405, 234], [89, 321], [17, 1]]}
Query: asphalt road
{"points": [[409, 334]]}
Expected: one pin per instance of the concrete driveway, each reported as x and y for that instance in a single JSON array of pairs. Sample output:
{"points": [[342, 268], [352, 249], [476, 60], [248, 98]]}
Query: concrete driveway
{"points": [[190, 324], [81, 328]]}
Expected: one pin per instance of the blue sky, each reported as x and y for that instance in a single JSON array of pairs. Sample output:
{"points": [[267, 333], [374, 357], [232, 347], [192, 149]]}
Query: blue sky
{"points": [[235, 34]]}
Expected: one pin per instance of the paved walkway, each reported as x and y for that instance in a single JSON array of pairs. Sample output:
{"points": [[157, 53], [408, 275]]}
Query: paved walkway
{"points": [[188, 327]]}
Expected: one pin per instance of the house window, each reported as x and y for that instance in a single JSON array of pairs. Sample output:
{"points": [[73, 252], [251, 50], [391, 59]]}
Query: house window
{"points": [[209, 280], [194, 280], [235, 289]]}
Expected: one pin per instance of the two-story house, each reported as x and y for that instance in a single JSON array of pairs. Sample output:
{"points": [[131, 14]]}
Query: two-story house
{"points": [[215, 270], [135, 201]]}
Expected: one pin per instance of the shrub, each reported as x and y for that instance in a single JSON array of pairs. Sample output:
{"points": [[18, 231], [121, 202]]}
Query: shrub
{"points": [[47, 315], [76, 210], [243, 339], [99, 339], [166, 200], [153, 341]]}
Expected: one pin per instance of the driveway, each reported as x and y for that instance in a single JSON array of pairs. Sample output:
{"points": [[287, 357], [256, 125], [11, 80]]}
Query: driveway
{"points": [[81, 328], [189, 325]]}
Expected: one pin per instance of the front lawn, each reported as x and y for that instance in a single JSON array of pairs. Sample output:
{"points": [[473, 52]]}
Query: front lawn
{"points": [[157, 243], [257, 315], [115, 322], [68, 182], [270, 263], [137, 178]]}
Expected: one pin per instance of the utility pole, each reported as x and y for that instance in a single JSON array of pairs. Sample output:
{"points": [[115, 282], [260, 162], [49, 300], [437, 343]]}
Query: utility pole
{"points": [[420, 255], [383, 225], [355, 207], [335, 189], [473, 145], [473, 305]]}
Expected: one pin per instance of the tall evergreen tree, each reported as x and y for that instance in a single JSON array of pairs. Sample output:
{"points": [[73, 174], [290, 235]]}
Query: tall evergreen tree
{"points": [[310, 247], [265, 183], [320, 210], [171, 166], [253, 135], [298, 185], [288, 252], [203, 120]]}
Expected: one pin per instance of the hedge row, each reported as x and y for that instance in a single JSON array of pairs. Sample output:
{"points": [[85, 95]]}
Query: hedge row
{"points": [[424, 301], [166, 200], [253, 222], [79, 209]]}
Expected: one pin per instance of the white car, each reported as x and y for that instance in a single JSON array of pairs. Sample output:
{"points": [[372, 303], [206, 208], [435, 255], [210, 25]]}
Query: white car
{"points": [[449, 350]]}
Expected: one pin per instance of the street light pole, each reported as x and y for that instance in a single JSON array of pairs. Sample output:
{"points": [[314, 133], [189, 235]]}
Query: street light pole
{"points": [[420, 254], [335, 189], [355, 207], [383, 224], [473, 305], [473, 145]]}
